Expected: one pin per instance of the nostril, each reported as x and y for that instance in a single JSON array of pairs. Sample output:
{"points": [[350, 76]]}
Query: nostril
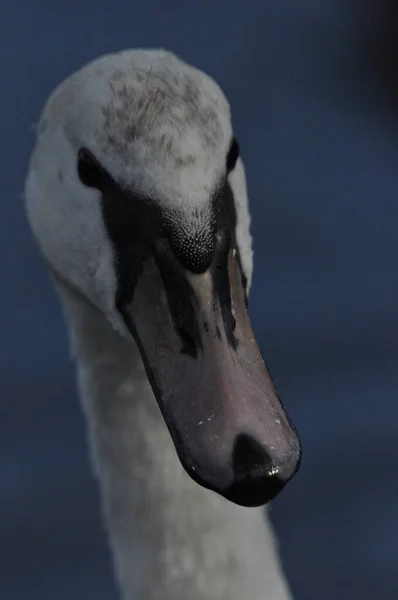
{"points": [[188, 343], [232, 323]]}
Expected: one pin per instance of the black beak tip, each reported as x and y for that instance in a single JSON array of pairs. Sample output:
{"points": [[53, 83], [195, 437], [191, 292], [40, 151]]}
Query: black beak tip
{"points": [[254, 479], [258, 479], [256, 493]]}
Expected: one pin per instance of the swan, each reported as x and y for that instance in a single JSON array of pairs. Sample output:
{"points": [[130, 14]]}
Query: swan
{"points": [[136, 197]]}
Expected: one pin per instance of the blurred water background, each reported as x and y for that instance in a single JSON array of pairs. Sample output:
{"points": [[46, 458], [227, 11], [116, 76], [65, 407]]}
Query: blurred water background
{"points": [[313, 89]]}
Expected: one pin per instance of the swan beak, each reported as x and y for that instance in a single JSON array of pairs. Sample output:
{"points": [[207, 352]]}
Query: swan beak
{"points": [[217, 397]]}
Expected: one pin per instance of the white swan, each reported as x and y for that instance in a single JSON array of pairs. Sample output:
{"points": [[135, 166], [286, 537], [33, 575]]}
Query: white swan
{"points": [[137, 198]]}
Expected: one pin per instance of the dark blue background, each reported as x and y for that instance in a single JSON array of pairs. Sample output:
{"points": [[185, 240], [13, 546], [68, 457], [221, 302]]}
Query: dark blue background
{"points": [[315, 112]]}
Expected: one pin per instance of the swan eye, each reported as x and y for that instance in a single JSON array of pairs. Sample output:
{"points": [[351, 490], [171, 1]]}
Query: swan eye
{"points": [[89, 169], [233, 155]]}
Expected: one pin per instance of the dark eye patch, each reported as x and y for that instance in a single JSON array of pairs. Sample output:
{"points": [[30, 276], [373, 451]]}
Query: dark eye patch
{"points": [[233, 155], [90, 171]]}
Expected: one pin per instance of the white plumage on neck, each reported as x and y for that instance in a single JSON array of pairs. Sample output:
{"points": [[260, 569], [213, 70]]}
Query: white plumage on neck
{"points": [[171, 539]]}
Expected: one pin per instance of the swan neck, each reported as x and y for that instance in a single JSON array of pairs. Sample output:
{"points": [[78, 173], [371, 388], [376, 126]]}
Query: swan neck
{"points": [[167, 534]]}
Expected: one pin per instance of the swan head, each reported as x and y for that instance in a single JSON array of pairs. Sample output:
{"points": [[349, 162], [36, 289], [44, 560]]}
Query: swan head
{"points": [[137, 198]]}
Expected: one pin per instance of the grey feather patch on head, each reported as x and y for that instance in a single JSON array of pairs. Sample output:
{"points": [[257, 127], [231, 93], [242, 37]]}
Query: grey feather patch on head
{"points": [[158, 107]]}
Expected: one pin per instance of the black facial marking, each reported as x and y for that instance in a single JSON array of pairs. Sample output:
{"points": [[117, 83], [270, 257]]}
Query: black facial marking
{"points": [[138, 227], [224, 207], [233, 155], [132, 224]]}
